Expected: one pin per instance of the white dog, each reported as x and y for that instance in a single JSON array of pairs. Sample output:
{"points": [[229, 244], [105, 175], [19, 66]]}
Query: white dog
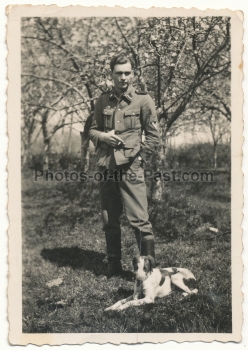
{"points": [[155, 282]]}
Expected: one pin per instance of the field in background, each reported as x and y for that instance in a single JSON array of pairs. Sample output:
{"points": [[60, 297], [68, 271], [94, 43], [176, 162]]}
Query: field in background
{"points": [[63, 239]]}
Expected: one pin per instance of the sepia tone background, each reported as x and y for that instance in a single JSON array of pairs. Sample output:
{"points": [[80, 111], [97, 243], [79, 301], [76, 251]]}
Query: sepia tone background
{"points": [[183, 62]]}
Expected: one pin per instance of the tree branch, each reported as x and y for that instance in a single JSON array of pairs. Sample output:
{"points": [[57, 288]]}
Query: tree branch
{"points": [[55, 80], [179, 110], [194, 47], [128, 44], [221, 47], [76, 66], [224, 105]]}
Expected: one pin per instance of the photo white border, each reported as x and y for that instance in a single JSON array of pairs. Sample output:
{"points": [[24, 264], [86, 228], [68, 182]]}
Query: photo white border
{"points": [[201, 5]]}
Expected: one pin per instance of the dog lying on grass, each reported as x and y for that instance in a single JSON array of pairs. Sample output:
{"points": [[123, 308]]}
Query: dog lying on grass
{"points": [[154, 282]]}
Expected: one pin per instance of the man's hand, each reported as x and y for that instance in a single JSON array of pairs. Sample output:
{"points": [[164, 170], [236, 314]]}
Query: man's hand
{"points": [[111, 139]]}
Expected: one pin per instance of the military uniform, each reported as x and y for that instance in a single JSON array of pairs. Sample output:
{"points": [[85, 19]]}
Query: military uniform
{"points": [[129, 115]]}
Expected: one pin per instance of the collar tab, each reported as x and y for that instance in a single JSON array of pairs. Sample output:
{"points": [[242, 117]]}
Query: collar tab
{"points": [[128, 96], [112, 96]]}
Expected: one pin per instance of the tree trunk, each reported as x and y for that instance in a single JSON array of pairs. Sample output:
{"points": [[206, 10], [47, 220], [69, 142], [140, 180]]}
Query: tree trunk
{"points": [[159, 83], [62, 140], [46, 141], [157, 190], [46, 154], [26, 148], [215, 156], [70, 140], [24, 154], [142, 83], [85, 154], [157, 186]]}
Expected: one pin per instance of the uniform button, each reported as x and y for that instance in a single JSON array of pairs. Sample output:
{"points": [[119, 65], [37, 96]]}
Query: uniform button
{"points": [[119, 109], [133, 113], [117, 132], [118, 121]]}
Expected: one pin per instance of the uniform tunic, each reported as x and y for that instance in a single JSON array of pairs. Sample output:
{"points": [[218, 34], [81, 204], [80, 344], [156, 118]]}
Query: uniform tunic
{"points": [[130, 115]]}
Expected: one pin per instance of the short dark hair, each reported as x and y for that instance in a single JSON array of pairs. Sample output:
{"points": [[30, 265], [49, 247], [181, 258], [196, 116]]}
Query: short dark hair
{"points": [[121, 59]]}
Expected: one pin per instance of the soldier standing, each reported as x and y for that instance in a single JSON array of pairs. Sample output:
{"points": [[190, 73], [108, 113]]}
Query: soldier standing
{"points": [[120, 118]]}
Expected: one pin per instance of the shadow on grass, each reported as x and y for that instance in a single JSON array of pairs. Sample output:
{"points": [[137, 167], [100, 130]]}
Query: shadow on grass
{"points": [[78, 258], [75, 258]]}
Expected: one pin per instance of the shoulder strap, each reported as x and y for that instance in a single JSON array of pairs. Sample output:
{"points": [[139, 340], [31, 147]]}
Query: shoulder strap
{"points": [[141, 92]]}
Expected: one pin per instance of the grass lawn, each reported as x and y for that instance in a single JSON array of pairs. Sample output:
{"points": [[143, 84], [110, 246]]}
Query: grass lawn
{"points": [[63, 238]]}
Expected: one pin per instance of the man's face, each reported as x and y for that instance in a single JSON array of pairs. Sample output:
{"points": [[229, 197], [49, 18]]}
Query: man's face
{"points": [[122, 76]]}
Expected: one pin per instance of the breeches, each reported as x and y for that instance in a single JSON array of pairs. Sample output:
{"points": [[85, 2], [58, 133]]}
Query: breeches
{"points": [[130, 195]]}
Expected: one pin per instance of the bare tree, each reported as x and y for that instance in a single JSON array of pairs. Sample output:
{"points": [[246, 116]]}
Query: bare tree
{"points": [[65, 65]]}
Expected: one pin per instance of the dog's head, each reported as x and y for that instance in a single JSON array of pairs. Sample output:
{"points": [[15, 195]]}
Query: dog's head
{"points": [[143, 266]]}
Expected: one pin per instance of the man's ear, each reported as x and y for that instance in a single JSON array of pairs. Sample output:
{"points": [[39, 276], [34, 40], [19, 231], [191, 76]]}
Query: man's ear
{"points": [[110, 75], [132, 76], [151, 261]]}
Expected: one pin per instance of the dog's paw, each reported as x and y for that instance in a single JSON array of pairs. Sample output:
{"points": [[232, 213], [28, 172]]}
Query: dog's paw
{"points": [[113, 307], [117, 309], [108, 308], [122, 307], [183, 296]]}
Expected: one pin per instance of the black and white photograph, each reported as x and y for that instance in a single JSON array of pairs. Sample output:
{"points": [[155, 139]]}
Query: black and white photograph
{"points": [[128, 200]]}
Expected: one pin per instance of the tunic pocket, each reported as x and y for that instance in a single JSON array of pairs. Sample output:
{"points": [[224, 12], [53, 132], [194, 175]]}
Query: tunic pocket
{"points": [[132, 119], [128, 152], [108, 119]]}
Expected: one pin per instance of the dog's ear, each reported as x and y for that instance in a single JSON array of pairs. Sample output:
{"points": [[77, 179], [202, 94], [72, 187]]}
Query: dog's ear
{"points": [[135, 262], [151, 261]]}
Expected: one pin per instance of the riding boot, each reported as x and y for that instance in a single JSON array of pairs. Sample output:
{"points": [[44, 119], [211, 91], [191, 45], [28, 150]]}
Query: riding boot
{"points": [[114, 268], [113, 243], [145, 243], [147, 248]]}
